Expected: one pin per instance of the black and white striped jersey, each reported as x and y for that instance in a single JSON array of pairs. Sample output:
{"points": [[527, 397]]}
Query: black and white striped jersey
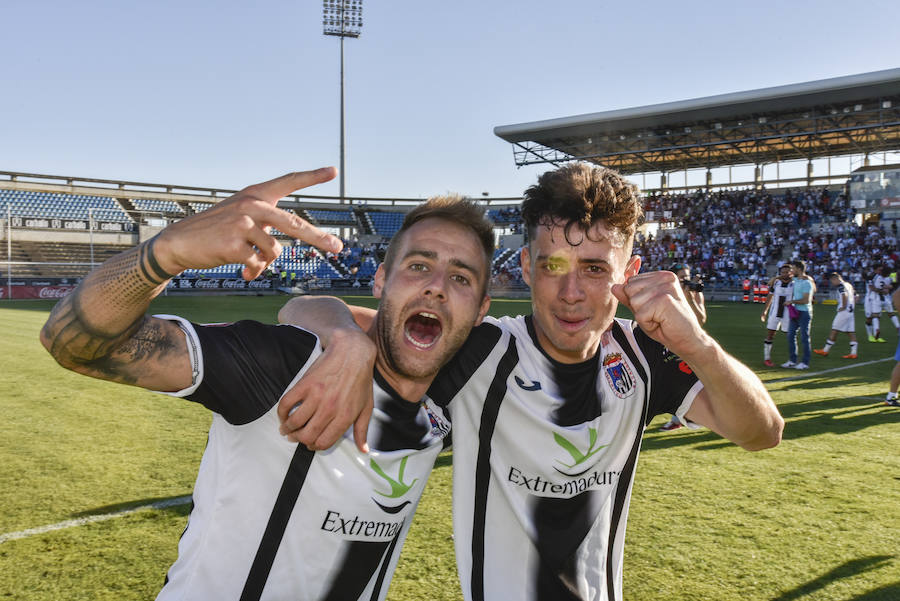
{"points": [[842, 289], [781, 293], [273, 520], [878, 288], [544, 456]]}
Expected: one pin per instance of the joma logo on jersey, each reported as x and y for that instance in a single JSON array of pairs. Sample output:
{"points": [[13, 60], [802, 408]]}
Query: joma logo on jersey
{"points": [[578, 457], [398, 486], [618, 375]]}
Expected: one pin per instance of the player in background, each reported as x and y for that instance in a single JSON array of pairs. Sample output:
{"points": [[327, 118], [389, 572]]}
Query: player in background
{"points": [[775, 314], [878, 300], [891, 398], [844, 319], [272, 519]]}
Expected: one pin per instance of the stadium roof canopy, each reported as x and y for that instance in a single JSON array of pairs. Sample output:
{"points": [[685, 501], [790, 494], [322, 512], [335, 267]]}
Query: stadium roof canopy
{"points": [[856, 114]]}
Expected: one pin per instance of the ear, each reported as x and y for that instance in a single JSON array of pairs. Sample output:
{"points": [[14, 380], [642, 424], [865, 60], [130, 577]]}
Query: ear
{"points": [[633, 266], [485, 305], [525, 262], [378, 281]]}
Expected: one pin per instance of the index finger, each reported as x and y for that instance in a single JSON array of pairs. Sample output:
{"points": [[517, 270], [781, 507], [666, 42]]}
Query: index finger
{"points": [[299, 228], [275, 189]]}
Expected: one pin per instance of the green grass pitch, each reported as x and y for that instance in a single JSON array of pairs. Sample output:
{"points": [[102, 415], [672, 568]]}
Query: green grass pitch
{"points": [[816, 518]]}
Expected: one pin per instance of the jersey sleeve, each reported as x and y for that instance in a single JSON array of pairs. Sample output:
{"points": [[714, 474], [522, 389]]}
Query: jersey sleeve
{"points": [[242, 369], [673, 384]]}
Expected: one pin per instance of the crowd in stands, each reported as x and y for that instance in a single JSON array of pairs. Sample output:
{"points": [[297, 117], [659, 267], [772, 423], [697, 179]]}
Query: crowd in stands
{"points": [[728, 236]]}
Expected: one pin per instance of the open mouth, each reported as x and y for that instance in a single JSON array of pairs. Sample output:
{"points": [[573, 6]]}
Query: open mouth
{"points": [[423, 329], [571, 322]]}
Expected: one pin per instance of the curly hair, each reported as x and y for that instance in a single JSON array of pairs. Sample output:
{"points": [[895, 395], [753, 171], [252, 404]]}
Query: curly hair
{"points": [[579, 195]]}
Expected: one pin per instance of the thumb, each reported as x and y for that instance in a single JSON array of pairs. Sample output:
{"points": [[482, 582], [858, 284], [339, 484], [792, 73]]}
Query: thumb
{"points": [[361, 428], [618, 291]]}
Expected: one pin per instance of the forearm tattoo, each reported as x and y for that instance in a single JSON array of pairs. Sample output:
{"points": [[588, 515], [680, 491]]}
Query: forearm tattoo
{"points": [[102, 328]]}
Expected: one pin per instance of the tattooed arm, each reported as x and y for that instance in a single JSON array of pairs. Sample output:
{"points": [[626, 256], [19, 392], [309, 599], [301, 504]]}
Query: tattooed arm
{"points": [[101, 329]]}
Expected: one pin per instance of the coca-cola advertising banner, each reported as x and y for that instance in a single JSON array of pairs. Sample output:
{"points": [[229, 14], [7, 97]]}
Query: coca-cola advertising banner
{"points": [[23, 290], [219, 284]]}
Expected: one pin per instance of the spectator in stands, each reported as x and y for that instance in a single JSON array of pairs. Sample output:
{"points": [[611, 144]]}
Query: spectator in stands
{"points": [[801, 316]]}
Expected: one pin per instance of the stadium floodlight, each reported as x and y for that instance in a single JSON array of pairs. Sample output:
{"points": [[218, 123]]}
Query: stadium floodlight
{"points": [[342, 18]]}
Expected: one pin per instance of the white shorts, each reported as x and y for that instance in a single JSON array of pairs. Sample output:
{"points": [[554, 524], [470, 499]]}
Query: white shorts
{"points": [[844, 322], [775, 322], [876, 304]]}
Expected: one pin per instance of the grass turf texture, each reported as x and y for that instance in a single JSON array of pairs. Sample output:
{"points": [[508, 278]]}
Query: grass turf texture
{"points": [[815, 518]]}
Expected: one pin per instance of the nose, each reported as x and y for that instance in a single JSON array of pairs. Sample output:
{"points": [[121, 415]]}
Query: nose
{"points": [[435, 288], [570, 290]]}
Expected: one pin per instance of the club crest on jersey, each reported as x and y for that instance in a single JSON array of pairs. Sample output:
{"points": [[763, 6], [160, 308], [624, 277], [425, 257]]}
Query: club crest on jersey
{"points": [[439, 424], [618, 375]]}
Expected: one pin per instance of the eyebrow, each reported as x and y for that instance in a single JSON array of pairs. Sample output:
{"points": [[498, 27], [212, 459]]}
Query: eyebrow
{"points": [[589, 260], [430, 254]]}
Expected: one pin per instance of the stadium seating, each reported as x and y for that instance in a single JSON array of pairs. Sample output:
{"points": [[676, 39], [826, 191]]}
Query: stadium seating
{"points": [[62, 206], [386, 223], [166, 207], [725, 235], [331, 217]]}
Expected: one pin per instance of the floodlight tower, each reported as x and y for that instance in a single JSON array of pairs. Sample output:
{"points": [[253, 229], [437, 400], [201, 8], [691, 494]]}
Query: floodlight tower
{"points": [[342, 18]]}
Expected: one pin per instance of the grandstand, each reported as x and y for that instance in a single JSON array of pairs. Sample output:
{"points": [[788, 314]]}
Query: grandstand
{"points": [[57, 227], [736, 230]]}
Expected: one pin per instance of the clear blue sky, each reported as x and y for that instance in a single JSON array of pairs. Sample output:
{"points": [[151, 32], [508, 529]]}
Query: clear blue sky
{"points": [[225, 93]]}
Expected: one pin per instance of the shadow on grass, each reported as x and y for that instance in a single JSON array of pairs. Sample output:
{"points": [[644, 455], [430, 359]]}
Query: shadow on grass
{"points": [[173, 504], [890, 592], [802, 419], [444, 460], [846, 570]]}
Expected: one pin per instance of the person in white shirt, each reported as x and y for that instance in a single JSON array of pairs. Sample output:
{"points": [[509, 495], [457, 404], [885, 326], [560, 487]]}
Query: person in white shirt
{"points": [[775, 314], [844, 319], [878, 301]]}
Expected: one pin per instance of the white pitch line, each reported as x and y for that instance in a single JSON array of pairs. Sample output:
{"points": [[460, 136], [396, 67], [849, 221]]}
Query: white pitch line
{"points": [[93, 518], [827, 371]]}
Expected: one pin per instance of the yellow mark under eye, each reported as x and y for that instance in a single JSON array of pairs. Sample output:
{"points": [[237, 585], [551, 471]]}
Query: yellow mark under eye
{"points": [[557, 266]]}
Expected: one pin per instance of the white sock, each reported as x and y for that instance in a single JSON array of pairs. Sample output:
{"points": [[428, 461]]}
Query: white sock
{"points": [[853, 346], [876, 326], [828, 344], [895, 321], [767, 350], [869, 330]]}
